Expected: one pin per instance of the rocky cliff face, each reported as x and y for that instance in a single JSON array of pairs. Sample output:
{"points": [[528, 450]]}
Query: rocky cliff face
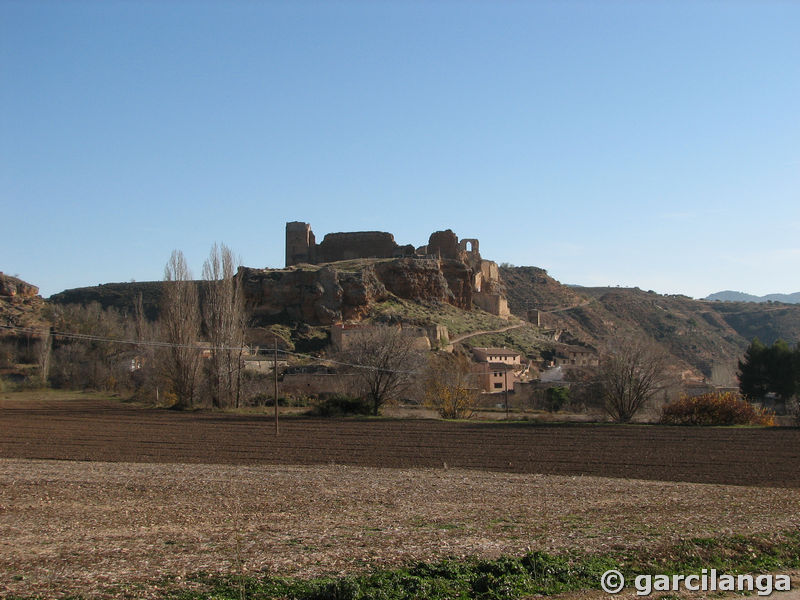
{"points": [[12, 286], [419, 279], [459, 279], [20, 306], [327, 295], [317, 296]]}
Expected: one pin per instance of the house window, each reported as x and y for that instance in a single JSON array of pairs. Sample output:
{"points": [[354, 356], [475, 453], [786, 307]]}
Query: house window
{"points": [[498, 385]]}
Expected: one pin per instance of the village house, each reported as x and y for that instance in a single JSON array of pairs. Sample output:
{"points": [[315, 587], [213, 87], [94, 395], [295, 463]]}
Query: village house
{"points": [[501, 355], [576, 356], [425, 337], [497, 369]]}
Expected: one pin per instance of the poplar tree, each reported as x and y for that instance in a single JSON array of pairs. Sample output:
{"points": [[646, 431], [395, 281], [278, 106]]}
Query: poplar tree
{"points": [[180, 322]]}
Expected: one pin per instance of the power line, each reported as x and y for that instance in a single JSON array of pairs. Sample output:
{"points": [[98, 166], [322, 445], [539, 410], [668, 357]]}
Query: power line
{"points": [[199, 346]]}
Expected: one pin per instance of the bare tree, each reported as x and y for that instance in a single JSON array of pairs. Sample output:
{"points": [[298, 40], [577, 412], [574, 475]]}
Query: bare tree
{"points": [[631, 373], [45, 347], [88, 361], [144, 367], [450, 386], [385, 361], [180, 321], [224, 321]]}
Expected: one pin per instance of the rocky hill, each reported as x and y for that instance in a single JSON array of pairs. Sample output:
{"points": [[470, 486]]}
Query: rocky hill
{"points": [[23, 321], [121, 296], [20, 305], [706, 336]]}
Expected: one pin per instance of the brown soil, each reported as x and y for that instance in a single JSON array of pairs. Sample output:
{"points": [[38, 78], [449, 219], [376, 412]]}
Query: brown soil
{"points": [[109, 431], [315, 500], [106, 530]]}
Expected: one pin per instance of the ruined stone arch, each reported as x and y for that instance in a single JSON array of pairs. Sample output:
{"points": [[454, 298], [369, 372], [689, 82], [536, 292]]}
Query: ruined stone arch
{"points": [[473, 245]]}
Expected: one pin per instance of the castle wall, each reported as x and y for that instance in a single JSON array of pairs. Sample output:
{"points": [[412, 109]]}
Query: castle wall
{"points": [[301, 246], [492, 303], [489, 270], [445, 245], [358, 244]]}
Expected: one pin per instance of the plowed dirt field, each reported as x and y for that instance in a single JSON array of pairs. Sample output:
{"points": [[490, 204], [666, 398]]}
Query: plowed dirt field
{"points": [[97, 430]]}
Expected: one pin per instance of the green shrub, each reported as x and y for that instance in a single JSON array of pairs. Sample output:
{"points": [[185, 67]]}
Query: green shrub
{"points": [[556, 398], [268, 399], [715, 408], [339, 406]]}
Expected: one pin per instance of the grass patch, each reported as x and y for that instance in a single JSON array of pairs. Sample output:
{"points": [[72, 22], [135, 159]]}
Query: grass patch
{"points": [[527, 339], [503, 578], [61, 395], [516, 577], [457, 321]]}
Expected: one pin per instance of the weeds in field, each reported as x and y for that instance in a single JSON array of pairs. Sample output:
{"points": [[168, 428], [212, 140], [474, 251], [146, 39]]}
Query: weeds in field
{"points": [[236, 517], [514, 577], [505, 578]]}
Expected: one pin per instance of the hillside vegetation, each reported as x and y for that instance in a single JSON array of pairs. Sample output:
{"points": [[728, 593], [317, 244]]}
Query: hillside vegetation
{"points": [[707, 336]]}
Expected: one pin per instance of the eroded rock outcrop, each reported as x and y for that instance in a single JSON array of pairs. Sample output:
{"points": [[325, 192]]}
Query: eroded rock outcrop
{"points": [[415, 279], [459, 280], [13, 286], [319, 296], [20, 306], [328, 295]]}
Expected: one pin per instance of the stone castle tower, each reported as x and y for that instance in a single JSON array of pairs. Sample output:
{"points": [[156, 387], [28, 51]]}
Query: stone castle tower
{"points": [[301, 245]]}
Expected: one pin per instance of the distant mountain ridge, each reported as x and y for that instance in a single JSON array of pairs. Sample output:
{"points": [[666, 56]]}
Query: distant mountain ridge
{"points": [[731, 296]]}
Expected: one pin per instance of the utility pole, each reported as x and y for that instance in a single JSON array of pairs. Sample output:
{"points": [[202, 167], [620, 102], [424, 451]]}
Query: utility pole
{"points": [[505, 376], [275, 376]]}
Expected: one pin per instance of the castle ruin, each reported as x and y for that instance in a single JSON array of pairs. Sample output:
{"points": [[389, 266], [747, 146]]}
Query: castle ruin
{"points": [[487, 290], [301, 246]]}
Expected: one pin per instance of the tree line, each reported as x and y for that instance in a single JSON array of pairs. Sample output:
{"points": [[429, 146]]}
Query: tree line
{"points": [[770, 371], [161, 359]]}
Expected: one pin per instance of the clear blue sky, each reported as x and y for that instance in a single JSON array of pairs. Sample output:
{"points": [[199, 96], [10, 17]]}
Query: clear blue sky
{"points": [[650, 144]]}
